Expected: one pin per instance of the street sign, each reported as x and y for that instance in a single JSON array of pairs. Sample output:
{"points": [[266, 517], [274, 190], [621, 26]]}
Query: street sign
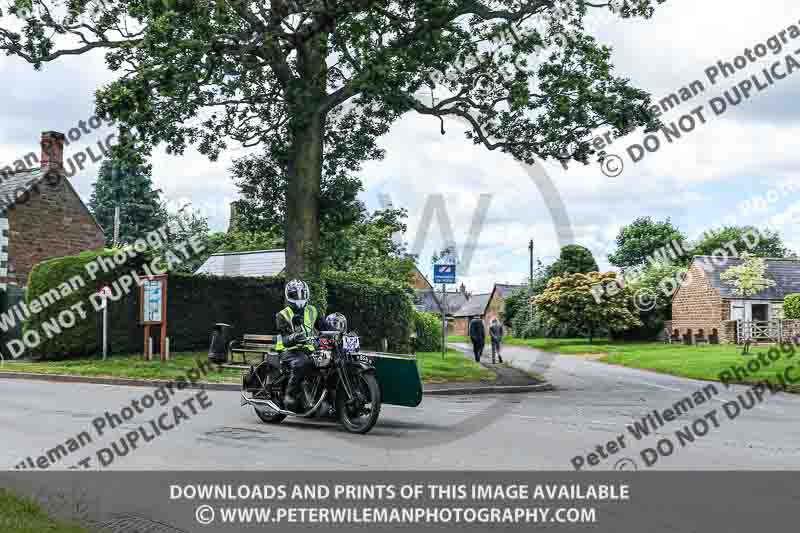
{"points": [[444, 273]]}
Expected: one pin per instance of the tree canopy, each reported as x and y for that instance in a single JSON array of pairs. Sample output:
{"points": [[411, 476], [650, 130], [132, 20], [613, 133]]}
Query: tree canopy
{"points": [[125, 182], [748, 278], [569, 300], [317, 83], [642, 239], [573, 259], [737, 240]]}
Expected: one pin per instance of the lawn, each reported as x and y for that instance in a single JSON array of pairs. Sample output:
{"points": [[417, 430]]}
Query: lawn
{"points": [[128, 366], [698, 362], [19, 515], [567, 346], [455, 367]]}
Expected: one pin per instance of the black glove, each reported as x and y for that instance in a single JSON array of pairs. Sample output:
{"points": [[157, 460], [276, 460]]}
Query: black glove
{"points": [[296, 338]]}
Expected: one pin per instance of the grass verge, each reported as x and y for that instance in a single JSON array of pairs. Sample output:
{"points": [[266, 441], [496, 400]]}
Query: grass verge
{"points": [[706, 362], [566, 346], [20, 515], [455, 367], [128, 366]]}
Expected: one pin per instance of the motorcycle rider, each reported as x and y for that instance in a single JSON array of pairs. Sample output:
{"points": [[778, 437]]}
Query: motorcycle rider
{"points": [[296, 324]]}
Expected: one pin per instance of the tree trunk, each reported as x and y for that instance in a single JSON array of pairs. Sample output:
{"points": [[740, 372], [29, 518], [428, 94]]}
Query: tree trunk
{"points": [[305, 168], [302, 198]]}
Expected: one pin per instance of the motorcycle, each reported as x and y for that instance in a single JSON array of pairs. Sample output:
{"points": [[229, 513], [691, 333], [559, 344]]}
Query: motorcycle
{"points": [[341, 384]]}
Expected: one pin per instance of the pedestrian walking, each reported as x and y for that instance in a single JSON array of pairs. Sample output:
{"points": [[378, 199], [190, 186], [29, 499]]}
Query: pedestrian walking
{"points": [[477, 334], [496, 333]]}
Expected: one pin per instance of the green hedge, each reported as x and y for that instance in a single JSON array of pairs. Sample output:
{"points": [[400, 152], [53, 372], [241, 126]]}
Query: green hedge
{"points": [[791, 306], [85, 336], [429, 331], [375, 308]]}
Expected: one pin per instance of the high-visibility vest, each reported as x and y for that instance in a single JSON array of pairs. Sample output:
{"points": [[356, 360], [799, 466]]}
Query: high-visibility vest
{"points": [[309, 319]]}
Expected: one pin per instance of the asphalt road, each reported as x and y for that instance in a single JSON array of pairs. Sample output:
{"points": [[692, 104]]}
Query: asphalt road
{"points": [[593, 404]]}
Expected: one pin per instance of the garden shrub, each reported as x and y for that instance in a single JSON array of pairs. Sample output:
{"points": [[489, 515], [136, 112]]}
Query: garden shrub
{"points": [[791, 306], [429, 331]]}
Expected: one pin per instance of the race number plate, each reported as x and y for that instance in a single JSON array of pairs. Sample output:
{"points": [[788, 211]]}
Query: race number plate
{"points": [[351, 343]]}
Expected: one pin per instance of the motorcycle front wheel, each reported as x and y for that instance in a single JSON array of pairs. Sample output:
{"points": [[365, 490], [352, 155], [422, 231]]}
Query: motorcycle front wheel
{"points": [[360, 414]]}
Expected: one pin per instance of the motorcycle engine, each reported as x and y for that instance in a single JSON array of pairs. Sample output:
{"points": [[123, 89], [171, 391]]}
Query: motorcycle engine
{"points": [[322, 358]]}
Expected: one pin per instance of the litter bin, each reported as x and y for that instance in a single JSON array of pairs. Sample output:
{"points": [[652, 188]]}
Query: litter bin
{"points": [[220, 339]]}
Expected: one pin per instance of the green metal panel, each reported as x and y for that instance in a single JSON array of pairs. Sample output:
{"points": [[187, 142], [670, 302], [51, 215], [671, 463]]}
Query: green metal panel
{"points": [[398, 377]]}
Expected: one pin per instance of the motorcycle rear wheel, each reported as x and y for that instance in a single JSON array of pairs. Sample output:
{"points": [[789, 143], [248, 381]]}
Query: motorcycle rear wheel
{"points": [[367, 385]]}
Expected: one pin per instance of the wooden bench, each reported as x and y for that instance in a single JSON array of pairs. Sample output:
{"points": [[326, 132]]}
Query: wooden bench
{"points": [[251, 348]]}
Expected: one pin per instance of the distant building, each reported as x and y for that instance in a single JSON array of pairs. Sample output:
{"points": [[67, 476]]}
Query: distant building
{"points": [[260, 263], [41, 214], [705, 305], [475, 306], [485, 306]]}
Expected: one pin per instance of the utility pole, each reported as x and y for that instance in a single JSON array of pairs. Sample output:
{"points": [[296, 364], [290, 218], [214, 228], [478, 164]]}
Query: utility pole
{"points": [[444, 320], [530, 247], [116, 226]]}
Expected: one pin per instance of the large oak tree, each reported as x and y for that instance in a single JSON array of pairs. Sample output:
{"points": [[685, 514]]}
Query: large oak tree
{"points": [[318, 79]]}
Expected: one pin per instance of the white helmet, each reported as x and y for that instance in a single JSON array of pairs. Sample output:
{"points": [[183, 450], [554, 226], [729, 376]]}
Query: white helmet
{"points": [[297, 293], [336, 322]]}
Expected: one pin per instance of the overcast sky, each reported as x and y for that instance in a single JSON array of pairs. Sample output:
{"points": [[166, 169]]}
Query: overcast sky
{"points": [[701, 180]]}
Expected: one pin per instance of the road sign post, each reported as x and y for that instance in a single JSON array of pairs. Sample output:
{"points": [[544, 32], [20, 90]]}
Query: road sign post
{"points": [[105, 293], [444, 273]]}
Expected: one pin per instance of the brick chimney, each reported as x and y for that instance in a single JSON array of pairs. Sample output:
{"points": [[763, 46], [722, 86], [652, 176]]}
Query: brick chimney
{"points": [[52, 151]]}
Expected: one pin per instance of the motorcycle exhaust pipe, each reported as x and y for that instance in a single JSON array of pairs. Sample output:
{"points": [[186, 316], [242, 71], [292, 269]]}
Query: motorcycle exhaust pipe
{"points": [[265, 403], [273, 407]]}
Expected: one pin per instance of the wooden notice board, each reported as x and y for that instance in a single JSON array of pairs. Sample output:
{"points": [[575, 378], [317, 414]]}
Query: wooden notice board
{"points": [[153, 311]]}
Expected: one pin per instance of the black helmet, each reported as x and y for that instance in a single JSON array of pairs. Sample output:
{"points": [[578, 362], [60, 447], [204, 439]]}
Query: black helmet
{"points": [[297, 293]]}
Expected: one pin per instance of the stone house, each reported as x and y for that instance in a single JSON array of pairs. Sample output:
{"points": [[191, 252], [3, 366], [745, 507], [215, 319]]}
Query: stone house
{"points": [[704, 305], [475, 306], [486, 306], [497, 303], [41, 215]]}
